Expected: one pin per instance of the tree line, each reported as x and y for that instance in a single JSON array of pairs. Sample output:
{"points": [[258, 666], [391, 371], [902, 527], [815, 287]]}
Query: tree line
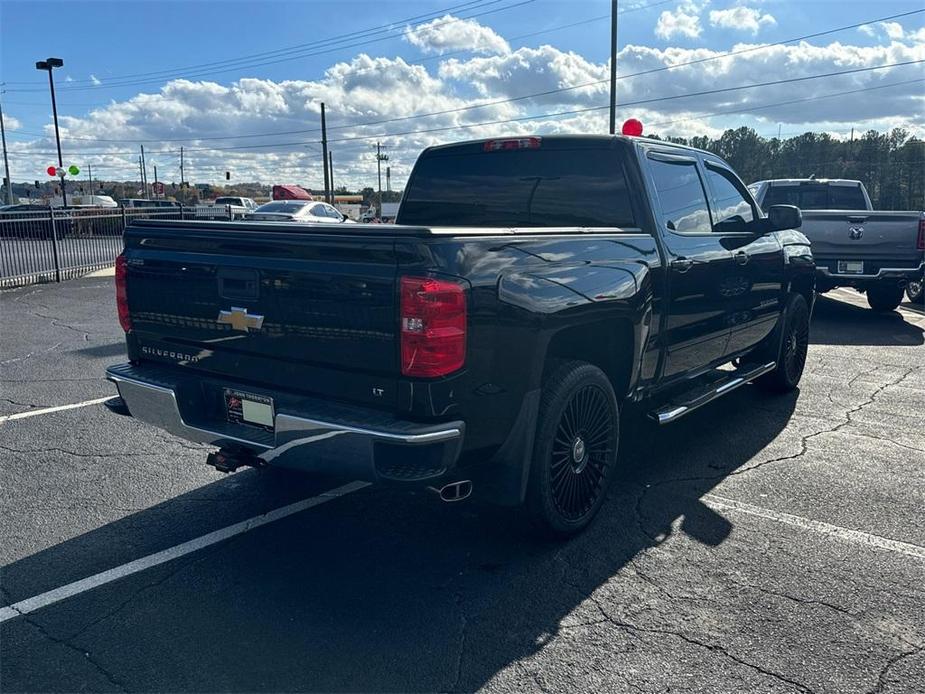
{"points": [[891, 165]]}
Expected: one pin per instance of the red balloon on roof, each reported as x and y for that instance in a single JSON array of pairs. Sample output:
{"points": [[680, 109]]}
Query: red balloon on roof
{"points": [[632, 127]]}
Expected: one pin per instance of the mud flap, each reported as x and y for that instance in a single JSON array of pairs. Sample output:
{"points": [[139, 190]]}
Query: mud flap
{"points": [[503, 479]]}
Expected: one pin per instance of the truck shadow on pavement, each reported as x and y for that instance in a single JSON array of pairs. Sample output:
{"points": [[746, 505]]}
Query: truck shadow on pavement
{"points": [[840, 323], [379, 591]]}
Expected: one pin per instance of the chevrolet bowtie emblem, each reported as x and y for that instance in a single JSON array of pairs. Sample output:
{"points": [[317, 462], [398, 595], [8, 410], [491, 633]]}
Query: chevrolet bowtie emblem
{"points": [[240, 319]]}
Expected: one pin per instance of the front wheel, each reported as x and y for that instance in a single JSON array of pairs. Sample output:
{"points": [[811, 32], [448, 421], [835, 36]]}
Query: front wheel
{"points": [[794, 345], [884, 297], [914, 291], [575, 450]]}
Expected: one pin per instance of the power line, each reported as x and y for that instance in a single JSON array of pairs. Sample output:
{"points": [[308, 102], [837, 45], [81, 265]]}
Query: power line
{"points": [[428, 16], [496, 102], [783, 103], [117, 82], [638, 102], [341, 47]]}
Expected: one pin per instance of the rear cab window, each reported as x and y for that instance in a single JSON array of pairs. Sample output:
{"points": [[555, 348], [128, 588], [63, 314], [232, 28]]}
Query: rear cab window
{"points": [[541, 184], [815, 196]]}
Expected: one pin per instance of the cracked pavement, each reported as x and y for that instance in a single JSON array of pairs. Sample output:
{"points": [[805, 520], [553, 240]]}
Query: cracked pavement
{"points": [[384, 590]]}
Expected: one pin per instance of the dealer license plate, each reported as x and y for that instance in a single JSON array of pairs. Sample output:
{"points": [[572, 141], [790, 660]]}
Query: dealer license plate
{"points": [[853, 267], [249, 408]]}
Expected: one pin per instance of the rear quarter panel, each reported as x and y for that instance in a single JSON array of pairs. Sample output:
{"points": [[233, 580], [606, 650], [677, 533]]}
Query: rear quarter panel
{"points": [[523, 290]]}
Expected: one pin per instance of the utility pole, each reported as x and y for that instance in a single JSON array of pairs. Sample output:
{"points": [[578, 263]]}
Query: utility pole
{"points": [[613, 67], [144, 172], [331, 169], [141, 173], [90, 177], [6, 162], [155, 182], [324, 155], [380, 157], [182, 180], [388, 179]]}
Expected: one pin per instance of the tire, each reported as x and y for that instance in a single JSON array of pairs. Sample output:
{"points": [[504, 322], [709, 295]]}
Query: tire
{"points": [[914, 291], [791, 356], [575, 450], [884, 297]]}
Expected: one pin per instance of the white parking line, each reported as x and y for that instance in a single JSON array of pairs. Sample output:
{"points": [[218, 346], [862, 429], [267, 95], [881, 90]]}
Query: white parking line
{"points": [[49, 410], [719, 503], [83, 585]]}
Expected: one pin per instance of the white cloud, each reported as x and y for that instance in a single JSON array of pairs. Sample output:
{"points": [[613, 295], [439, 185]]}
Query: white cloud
{"points": [[11, 123], [893, 30], [449, 33], [684, 21], [741, 18], [95, 80], [527, 71]]}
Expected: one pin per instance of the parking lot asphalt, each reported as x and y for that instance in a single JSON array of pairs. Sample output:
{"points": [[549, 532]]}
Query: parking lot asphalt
{"points": [[762, 544]]}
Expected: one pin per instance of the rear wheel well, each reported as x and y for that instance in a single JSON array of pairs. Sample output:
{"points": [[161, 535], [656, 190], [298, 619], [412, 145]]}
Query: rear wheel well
{"points": [[607, 345]]}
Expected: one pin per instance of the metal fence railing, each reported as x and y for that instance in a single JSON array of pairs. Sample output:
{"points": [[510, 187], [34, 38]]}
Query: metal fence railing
{"points": [[50, 245]]}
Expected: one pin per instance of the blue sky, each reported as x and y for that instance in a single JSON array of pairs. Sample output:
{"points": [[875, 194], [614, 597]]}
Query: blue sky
{"points": [[418, 56]]}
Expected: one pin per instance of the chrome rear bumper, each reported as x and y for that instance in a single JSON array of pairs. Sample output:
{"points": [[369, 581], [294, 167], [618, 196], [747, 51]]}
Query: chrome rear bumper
{"points": [[908, 273], [358, 442]]}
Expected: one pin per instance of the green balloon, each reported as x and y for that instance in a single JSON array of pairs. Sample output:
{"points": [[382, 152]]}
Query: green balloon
{"points": [[73, 170]]}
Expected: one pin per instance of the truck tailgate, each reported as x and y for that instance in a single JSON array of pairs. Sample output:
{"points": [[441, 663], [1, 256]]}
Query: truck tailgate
{"points": [[862, 235], [306, 312]]}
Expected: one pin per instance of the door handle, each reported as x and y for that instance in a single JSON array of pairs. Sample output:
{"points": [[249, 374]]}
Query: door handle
{"points": [[681, 264], [741, 258]]}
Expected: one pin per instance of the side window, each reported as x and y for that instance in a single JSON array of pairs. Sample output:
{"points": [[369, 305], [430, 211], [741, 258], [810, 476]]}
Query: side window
{"points": [[333, 213], [318, 211], [681, 195], [732, 209]]}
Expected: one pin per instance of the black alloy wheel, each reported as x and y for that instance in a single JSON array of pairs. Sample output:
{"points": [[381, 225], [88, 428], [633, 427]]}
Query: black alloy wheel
{"points": [[794, 346], [575, 450], [579, 453]]}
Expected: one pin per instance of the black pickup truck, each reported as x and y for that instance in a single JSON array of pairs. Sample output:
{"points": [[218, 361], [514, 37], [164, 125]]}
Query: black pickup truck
{"points": [[531, 289]]}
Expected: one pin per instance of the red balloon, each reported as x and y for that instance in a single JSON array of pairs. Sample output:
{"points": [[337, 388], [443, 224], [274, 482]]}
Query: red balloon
{"points": [[52, 171], [632, 127]]}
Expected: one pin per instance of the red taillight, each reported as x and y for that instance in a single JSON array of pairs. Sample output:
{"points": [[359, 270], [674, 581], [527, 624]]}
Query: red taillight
{"points": [[433, 326], [121, 295], [920, 241], [512, 143]]}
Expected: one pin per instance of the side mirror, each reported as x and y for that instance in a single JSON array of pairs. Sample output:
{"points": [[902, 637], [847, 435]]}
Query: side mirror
{"points": [[782, 217]]}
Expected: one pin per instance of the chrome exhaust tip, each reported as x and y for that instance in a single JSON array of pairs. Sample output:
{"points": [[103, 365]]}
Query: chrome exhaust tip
{"points": [[455, 491]]}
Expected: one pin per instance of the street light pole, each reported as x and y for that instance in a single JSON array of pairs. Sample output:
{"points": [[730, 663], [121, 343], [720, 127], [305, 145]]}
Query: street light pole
{"points": [[49, 65]]}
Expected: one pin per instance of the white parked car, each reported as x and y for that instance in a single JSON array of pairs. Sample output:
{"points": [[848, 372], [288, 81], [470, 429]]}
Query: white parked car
{"points": [[298, 211]]}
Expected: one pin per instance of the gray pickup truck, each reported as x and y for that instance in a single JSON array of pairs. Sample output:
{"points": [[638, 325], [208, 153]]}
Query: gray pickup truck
{"points": [[879, 253]]}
